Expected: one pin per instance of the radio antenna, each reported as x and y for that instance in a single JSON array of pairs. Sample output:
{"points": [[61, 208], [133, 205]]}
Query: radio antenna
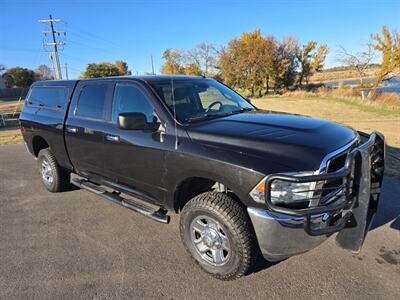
{"points": [[173, 105]]}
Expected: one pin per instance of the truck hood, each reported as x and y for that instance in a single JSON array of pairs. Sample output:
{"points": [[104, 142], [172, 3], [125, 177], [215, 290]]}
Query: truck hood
{"points": [[297, 142]]}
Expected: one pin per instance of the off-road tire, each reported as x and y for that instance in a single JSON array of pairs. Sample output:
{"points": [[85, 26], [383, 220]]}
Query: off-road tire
{"points": [[60, 177], [235, 221]]}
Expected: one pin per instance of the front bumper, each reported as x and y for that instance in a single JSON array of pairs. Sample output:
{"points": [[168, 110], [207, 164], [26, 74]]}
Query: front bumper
{"points": [[348, 208], [280, 236]]}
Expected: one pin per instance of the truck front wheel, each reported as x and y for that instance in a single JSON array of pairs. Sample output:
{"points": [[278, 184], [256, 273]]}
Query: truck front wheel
{"points": [[216, 231], [54, 178]]}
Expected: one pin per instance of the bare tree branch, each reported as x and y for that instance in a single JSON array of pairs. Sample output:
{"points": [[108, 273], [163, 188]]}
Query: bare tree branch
{"points": [[359, 61]]}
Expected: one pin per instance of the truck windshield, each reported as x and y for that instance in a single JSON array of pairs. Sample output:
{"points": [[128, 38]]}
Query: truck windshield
{"points": [[199, 99]]}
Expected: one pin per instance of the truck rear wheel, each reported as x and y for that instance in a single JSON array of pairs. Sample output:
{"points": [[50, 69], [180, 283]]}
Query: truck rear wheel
{"points": [[216, 231], [54, 178]]}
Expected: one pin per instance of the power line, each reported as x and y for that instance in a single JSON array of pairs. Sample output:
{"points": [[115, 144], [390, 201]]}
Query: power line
{"points": [[55, 44], [90, 46], [74, 58], [86, 34]]}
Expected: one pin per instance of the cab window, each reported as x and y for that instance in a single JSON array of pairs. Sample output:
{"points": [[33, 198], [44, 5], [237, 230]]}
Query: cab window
{"points": [[129, 98]]}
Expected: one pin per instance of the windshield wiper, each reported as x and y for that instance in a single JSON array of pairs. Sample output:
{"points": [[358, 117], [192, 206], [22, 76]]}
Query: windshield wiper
{"points": [[243, 109], [214, 116], [204, 117]]}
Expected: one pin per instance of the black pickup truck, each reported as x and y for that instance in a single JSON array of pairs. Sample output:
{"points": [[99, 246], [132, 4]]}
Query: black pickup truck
{"points": [[245, 181]]}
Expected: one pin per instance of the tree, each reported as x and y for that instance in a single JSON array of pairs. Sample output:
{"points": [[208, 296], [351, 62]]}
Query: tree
{"points": [[205, 56], [104, 69], [284, 63], [192, 69], [247, 61], [233, 66], [389, 46], [309, 60], [122, 66], [268, 60], [359, 62], [229, 71], [251, 59], [174, 62], [318, 61], [18, 77], [43, 72]]}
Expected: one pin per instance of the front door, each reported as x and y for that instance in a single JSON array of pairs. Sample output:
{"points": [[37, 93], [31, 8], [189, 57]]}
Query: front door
{"points": [[135, 157]]}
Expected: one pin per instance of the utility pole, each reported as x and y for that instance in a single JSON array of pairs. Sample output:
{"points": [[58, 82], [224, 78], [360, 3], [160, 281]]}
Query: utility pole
{"points": [[66, 71], [152, 65], [54, 54]]}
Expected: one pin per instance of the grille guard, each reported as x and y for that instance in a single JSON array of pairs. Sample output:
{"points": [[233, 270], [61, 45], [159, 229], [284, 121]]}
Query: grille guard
{"points": [[362, 180]]}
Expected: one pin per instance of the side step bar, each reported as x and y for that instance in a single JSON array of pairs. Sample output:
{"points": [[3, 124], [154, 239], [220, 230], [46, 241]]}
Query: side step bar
{"points": [[159, 215]]}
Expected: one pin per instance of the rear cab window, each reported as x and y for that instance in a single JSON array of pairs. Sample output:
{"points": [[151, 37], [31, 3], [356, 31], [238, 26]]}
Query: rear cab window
{"points": [[48, 97]]}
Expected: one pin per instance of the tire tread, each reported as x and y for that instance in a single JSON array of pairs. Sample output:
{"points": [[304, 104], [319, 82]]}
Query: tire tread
{"points": [[235, 217], [61, 177]]}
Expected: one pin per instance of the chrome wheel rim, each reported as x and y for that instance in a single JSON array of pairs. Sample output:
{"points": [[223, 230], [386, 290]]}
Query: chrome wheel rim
{"points": [[210, 240], [47, 173]]}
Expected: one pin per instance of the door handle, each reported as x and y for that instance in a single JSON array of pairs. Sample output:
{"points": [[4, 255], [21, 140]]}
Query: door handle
{"points": [[72, 129], [112, 138]]}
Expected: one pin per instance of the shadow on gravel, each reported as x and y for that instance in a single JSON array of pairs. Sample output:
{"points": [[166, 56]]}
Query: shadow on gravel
{"points": [[71, 188], [389, 204], [262, 264]]}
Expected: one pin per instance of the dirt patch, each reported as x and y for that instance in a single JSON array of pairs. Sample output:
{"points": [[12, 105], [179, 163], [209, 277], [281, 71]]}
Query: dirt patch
{"points": [[389, 256]]}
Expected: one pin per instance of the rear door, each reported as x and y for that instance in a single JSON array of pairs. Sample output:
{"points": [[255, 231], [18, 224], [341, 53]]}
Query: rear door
{"points": [[85, 126]]}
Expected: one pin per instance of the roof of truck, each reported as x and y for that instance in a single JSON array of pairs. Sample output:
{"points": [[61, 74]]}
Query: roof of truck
{"points": [[142, 78]]}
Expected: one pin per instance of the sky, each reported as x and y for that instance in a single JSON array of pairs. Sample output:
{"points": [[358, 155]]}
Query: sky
{"points": [[134, 30]]}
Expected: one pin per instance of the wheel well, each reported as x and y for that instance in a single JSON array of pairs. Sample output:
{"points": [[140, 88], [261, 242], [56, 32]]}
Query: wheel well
{"points": [[39, 143], [194, 186]]}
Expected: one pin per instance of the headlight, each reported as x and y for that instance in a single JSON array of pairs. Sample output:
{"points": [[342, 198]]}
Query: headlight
{"points": [[287, 193]]}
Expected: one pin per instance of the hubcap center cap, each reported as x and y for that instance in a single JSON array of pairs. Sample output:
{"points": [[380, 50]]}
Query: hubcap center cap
{"points": [[211, 237]]}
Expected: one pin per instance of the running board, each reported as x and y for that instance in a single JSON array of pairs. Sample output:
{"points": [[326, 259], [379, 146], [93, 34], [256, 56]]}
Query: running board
{"points": [[159, 215]]}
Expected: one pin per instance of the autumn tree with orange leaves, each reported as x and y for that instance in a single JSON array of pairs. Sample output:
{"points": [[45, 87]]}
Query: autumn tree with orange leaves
{"points": [[388, 44]]}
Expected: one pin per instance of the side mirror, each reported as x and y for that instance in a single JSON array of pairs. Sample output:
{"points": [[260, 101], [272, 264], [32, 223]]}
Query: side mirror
{"points": [[136, 121], [132, 121]]}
